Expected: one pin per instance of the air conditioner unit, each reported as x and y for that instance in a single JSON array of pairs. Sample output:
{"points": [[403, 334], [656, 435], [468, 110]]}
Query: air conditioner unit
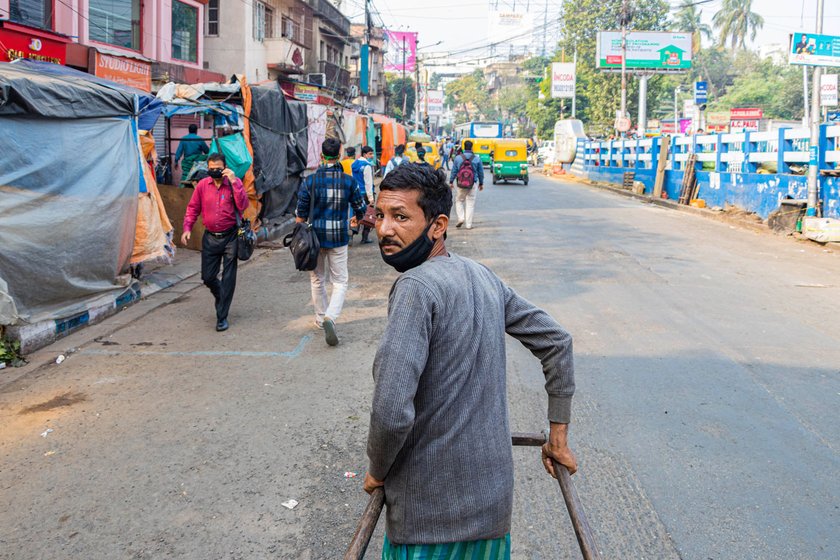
{"points": [[318, 79]]}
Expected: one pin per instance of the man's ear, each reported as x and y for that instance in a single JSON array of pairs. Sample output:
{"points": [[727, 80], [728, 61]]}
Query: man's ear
{"points": [[439, 227]]}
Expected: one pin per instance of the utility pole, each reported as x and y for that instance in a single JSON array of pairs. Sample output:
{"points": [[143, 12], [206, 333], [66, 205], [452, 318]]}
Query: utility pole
{"points": [[574, 97], [624, 22], [364, 77], [405, 93], [545, 31], [416, 87], [813, 171]]}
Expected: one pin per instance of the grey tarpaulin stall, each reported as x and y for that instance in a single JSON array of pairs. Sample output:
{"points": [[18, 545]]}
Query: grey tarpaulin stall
{"points": [[68, 192], [280, 141]]}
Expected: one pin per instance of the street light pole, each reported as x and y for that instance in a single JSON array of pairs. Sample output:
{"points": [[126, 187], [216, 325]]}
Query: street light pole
{"points": [[676, 125], [623, 59], [813, 161]]}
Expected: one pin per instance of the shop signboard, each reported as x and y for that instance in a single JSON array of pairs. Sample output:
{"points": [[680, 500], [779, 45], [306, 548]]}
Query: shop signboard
{"points": [[563, 80], [828, 90], [810, 49], [660, 51], [21, 41], [123, 70], [306, 93], [435, 102], [744, 125]]}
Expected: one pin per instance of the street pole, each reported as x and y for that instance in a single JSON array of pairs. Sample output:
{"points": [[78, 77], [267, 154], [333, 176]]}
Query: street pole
{"points": [[623, 59], [405, 93], [806, 120], [574, 97], [366, 63], [416, 87], [813, 171], [676, 121], [641, 126]]}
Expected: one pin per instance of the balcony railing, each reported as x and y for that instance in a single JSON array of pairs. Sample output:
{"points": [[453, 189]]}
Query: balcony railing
{"points": [[331, 14], [337, 77]]}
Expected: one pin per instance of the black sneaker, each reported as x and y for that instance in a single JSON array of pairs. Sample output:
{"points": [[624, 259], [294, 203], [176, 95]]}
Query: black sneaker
{"points": [[222, 325]]}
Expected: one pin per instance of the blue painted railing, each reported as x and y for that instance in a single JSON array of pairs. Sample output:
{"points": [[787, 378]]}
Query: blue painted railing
{"points": [[751, 170]]}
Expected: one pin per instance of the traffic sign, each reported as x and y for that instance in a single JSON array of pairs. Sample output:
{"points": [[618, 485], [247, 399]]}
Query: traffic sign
{"points": [[701, 95], [622, 124]]}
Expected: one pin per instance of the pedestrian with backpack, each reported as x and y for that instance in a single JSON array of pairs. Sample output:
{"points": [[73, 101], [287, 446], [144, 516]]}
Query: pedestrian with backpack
{"points": [[363, 169], [466, 172], [397, 160]]}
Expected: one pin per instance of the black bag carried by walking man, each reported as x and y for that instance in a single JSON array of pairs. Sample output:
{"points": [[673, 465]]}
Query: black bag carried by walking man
{"points": [[246, 239], [303, 242]]}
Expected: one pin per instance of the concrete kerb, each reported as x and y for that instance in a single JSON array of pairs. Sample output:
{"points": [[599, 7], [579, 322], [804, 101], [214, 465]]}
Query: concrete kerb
{"points": [[104, 324]]}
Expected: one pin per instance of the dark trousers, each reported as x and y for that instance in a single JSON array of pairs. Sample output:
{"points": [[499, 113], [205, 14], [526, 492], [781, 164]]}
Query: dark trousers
{"points": [[214, 250]]}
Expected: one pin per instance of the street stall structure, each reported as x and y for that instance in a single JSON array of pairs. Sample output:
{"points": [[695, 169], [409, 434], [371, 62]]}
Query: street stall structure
{"points": [[70, 189]]}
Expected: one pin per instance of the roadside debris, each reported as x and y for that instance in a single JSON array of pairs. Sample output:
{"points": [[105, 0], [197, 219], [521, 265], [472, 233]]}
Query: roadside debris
{"points": [[290, 504], [350, 474], [60, 359], [47, 432]]}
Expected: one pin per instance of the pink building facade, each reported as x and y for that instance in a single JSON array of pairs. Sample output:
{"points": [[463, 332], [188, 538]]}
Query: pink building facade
{"points": [[132, 41]]}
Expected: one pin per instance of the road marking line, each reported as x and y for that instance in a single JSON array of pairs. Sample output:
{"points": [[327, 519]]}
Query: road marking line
{"points": [[204, 353]]}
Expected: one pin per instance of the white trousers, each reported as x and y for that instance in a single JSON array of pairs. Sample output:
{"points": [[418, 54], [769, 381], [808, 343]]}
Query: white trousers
{"points": [[332, 267], [465, 204]]}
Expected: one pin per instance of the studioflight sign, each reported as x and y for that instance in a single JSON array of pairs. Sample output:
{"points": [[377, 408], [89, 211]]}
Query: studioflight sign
{"points": [[809, 49], [660, 51]]}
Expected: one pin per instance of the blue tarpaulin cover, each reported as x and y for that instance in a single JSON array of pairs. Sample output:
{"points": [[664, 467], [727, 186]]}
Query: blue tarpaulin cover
{"points": [[68, 192]]}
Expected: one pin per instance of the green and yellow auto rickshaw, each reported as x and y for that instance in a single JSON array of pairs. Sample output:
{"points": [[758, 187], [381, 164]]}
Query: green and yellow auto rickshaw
{"points": [[510, 161], [483, 148]]}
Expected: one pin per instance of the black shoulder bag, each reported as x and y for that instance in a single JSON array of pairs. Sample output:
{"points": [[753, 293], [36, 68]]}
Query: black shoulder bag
{"points": [[303, 242], [246, 239]]}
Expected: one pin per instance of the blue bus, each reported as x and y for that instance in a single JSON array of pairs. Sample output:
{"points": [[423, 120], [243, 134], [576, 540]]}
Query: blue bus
{"points": [[478, 129]]}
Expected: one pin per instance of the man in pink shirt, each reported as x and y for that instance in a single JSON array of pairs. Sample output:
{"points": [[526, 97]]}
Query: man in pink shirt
{"points": [[214, 199]]}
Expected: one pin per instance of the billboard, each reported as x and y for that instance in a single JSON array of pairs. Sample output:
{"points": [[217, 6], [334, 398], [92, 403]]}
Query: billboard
{"points": [[128, 71], [435, 101], [514, 28], [400, 51], [828, 90], [814, 50], [563, 80], [661, 51]]}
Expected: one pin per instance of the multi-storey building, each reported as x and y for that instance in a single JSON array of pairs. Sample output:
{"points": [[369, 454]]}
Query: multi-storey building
{"points": [[300, 40], [136, 42]]}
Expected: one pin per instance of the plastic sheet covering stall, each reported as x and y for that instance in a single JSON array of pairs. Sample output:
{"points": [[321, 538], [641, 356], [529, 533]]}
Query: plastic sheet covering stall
{"points": [[280, 142], [153, 234], [317, 117], [354, 127], [388, 130], [68, 193]]}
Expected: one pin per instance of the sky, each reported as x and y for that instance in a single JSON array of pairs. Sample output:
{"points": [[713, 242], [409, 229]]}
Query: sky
{"points": [[464, 24]]}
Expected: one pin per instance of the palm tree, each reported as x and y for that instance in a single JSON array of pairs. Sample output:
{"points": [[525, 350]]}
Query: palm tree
{"points": [[688, 19], [736, 20]]}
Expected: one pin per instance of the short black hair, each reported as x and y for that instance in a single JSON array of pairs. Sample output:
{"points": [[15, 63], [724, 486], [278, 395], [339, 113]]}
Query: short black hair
{"points": [[418, 145], [367, 150], [193, 129], [216, 156], [468, 144], [350, 151], [435, 195], [331, 148], [400, 149]]}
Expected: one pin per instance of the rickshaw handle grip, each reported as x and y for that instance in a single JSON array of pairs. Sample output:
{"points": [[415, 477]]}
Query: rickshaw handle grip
{"points": [[579, 522], [361, 538]]}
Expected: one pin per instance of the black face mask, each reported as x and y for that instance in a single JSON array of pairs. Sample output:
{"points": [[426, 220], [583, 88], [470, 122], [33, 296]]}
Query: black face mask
{"points": [[415, 254], [215, 173]]}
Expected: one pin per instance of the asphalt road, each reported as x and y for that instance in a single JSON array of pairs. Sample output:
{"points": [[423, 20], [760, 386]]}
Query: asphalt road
{"points": [[705, 420]]}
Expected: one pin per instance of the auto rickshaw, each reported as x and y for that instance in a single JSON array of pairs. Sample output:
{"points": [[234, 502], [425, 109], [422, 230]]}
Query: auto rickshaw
{"points": [[510, 161], [432, 154], [483, 148]]}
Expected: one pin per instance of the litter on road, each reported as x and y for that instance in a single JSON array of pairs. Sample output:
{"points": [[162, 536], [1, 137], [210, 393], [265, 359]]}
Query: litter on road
{"points": [[290, 504], [46, 432]]}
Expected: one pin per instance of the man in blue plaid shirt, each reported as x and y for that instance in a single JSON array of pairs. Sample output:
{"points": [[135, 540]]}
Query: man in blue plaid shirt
{"points": [[334, 193]]}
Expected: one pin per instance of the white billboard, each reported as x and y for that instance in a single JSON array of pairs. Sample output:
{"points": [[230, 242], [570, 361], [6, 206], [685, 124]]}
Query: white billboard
{"points": [[435, 102], [646, 50], [563, 80], [514, 28], [828, 90]]}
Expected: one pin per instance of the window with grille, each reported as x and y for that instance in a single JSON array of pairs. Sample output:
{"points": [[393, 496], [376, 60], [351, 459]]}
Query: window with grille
{"points": [[259, 21], [184, 32]]}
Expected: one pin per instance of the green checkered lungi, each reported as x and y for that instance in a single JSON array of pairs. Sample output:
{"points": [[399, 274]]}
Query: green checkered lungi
{"points": [[489, 549]]}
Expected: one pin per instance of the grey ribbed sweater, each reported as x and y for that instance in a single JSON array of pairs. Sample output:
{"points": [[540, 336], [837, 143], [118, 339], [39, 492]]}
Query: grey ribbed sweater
{"points": [[439, 431]]}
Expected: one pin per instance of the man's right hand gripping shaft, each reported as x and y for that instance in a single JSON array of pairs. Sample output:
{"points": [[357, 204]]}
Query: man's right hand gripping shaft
{"points": [[557, 448]]}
